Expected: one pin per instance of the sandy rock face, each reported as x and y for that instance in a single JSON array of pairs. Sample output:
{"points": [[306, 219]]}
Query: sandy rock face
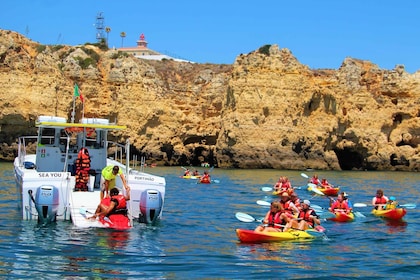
{"points": [[266, 110]]}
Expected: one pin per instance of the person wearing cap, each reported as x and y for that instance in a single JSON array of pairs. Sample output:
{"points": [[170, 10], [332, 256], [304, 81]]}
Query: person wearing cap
{"points": [[308, 218], [289, 207], [340, 205], [109, 174], [391, 203], [346, 199], [295, 199], [379, 201]]}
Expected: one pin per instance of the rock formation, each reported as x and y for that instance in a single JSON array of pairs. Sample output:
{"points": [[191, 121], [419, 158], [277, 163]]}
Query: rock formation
{"points": [[267, 110]]}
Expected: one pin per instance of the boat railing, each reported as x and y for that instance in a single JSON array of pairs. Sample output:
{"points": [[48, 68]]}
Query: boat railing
{"points": [[119, 150], [22, 142]]}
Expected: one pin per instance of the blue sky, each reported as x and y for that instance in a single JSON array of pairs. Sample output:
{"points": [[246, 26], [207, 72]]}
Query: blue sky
{"points": [[320, 34]]}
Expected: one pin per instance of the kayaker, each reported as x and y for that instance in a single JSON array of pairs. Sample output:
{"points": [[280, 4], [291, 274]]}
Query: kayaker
{"points": [[205, 179], [196, 173], [109, 174], [391, 204], [340, 205], [117, 204], [346, 199], [283, 185], [288, 205], [187, 172], [272, 220], [295, 199], [325, 184], [379, 201], [315, 180], [308, 218]]}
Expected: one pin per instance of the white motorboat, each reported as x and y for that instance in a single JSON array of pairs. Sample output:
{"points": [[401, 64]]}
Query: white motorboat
{"points": [[56, 183]]}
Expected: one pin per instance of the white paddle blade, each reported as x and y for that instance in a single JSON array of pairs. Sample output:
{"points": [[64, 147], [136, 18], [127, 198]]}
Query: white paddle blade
{"points": [[360, 205], [408, 206], [267, 189], [263, 203], [314, 188], [304, 175], [243, 217]]}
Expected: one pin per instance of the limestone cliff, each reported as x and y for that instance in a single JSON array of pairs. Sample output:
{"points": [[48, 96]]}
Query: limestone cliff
{"points": [[266, 110]]}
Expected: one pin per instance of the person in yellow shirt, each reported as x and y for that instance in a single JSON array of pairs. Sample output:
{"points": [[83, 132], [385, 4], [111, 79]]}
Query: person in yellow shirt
{"points": [[109, 174]]}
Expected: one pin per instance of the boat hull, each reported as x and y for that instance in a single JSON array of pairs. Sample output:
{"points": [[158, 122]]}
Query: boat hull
{"points": [[391, 214], [251, 236]]}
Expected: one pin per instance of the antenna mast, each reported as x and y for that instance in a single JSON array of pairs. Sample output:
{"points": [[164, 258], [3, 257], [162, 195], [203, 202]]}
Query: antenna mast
{"points": [[100, 27]]}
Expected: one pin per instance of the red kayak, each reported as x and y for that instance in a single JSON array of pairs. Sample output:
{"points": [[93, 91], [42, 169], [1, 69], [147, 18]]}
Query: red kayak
{"points": [[330, 191], [116, 221], [391, 214], [342, 217]]}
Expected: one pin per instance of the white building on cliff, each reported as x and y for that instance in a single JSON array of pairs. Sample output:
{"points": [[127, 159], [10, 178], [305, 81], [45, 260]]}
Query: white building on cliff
{"points": [[143, 52]]}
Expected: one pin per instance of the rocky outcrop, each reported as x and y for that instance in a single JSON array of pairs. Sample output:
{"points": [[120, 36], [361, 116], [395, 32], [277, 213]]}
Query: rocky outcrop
{"points": [[267, 110]]}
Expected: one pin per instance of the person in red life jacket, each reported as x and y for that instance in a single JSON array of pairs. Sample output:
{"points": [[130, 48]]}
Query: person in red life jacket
{"points": [[278, 184], [290, 211], [187, 172], [295, 199], [340, 205], [205, 179], [308, 218], [282, 185], [109, 174], [325, 184], [379, 201], [272, 220], [315, 180], [117, 204]]}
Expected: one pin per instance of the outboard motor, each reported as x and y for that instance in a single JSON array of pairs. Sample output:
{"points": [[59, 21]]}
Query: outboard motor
{"points": [[150, 206], [46, 203]]}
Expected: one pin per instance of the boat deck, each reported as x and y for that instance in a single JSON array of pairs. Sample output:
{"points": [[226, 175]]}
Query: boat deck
{"points": [[84, 201]]}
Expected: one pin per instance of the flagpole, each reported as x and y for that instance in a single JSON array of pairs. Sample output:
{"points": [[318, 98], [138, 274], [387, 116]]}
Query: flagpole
{"points": [[73, 112]]}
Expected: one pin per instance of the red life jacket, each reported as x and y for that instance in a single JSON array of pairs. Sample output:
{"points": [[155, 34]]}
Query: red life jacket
{"points": [[305, 216], [120, 201], [340, 205], [380, 200], [274, 219], [286, 206]]}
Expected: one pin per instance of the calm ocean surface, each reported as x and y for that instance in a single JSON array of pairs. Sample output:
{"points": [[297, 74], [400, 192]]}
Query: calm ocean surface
{"points": [[196, 238]]}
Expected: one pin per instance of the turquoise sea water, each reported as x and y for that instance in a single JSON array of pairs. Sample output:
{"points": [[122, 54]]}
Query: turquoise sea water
{"points": [[196, 238]]}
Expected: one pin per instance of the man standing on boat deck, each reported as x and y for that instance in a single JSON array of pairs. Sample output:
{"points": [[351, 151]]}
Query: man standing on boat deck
{"points": [[109, 174]]}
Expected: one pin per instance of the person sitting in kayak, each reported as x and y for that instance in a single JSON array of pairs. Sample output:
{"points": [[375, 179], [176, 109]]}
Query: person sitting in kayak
{"points": [[272, 221], [391, 203], [295, 199], [315, 180], [196, 173], [205, 179], [346, 199], [187, 172], [325, 184], [308, 218], [380, 200], [116, 204], [283, 185], [340, 205], [289, 207]]}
